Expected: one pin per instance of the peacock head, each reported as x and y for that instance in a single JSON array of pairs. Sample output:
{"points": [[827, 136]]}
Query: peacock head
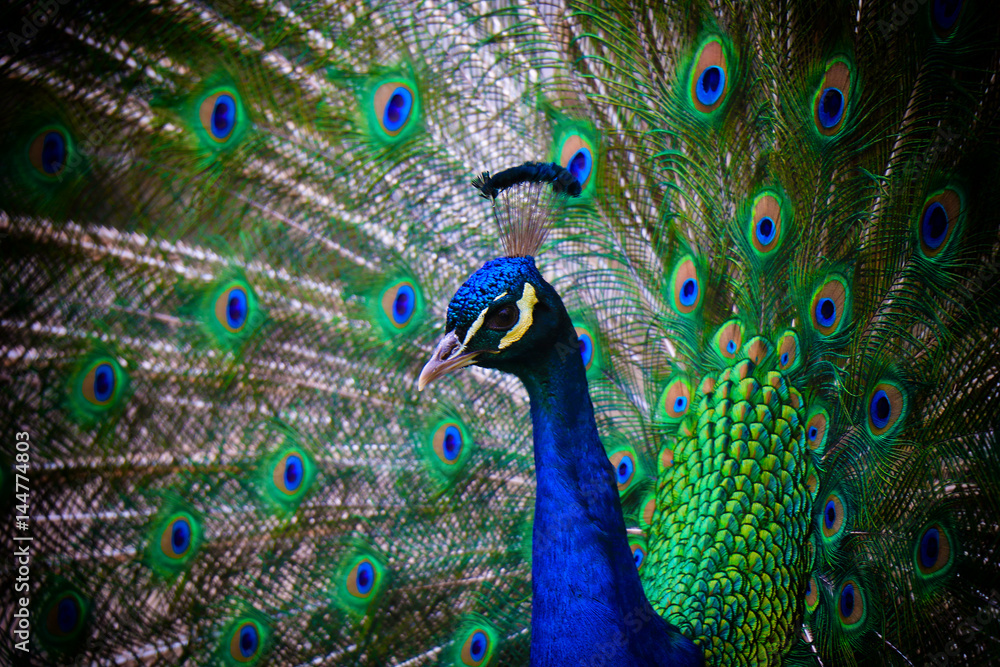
{"points": [[506, 316]]}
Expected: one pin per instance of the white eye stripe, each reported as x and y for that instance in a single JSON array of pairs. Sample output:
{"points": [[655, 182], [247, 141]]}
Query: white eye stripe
{"points": [[525, 308], [475, 326], [500, 296]]}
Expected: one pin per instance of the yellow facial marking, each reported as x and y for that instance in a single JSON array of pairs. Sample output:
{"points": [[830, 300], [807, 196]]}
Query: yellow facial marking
{"points": [[500, 296], [525, 308]]}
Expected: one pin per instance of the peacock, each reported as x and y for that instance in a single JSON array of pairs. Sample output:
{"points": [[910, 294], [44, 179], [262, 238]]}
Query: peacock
{"points": [[413, 332]]}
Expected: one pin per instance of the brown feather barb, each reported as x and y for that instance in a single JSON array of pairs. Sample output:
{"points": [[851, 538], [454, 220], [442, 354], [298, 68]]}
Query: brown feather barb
{"points": [[522, 204]]}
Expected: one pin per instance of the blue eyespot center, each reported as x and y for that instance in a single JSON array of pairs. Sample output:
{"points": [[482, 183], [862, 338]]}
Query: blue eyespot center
{"points": [[689, 292], [638, 555], [104, 382], [934, 227], [293, 472], [809, 587], [731, 346], [248, 640], [766, 230], [365, 577], [826, 312], [236, 308], [397, 111], [404, 304], [945, 12], [783, 359], [831, 107], [624, 469], [680, 404], [67, 614], [452, 443], [880, 409], [477, 648], [586, 349], [53, 152], [711, 84], [847, 600], [581, 164], [930, 546], [830, 515], [223, 116], [180, 536], [812, 433]]}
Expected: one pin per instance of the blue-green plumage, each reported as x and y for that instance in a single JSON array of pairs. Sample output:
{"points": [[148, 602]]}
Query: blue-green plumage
{"points": [[747, 417]]}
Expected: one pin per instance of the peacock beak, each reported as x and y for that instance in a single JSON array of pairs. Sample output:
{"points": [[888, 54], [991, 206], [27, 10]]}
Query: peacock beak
{"points": [[443, 362]]}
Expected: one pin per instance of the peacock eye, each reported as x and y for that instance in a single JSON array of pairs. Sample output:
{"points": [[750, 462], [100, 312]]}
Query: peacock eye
{"points": [[503, 319]]}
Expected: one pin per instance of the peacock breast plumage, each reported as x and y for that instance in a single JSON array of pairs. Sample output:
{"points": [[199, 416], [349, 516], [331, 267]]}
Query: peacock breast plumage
{"points": [[721, 387]]}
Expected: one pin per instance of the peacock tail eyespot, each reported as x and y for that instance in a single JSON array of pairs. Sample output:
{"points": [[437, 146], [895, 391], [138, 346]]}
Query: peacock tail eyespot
{"points": [[245, 642], [232, 309], [477, 649], [886, 405], [944, 16], [362, 579], [580, 162], [637, 544], [765, 224], [220, 114], [710, 77], [575, 150], [832, 98], [729, 339], [689, 292], [400, 303], [933, 553], [48, 152], [623, 463], [96, 389], [65, 616], [586, 347], [816, 430], [832, 516], [100, 383], [685, 287], [638, 555], [177, 538], [829, 305], [788, 351], [675, 401], [938, 221], [173, 543], [394, 104], [448, 443], [290, 474], [812, 594], [851, 605], [831, 107]]}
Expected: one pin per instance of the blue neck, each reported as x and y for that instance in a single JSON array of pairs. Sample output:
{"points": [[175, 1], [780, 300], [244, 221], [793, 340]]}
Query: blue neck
{"points": [[587, 598]]}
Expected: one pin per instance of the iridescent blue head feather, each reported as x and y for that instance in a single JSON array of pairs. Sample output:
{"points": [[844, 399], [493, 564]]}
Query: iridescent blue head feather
{"points": [[506, 316]]}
